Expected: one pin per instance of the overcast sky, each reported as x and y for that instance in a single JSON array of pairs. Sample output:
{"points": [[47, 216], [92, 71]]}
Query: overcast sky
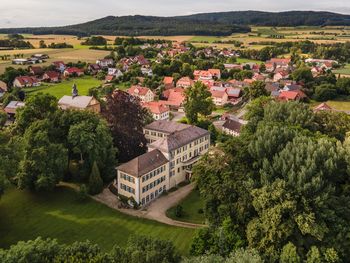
{"points": [[20, 13]]}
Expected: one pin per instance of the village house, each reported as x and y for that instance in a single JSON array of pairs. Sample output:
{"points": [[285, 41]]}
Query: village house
{"points": [[51, 76], [40, 56], [322, 107], [105, 63], [26, 81], [280, 63], [115, 72], [272, 87], [327, 63], [233, 66], [316, 71], [158, 109], [59, 66], [174, 98], [145, 70], [207, 74], [291, 95], [232, 127], [143, 93], [184, 82], [168, 82], [94, 68], [281, 75], [20, 61], [220, 98], [292, 87], [73, 72], [12, 107], [36, 71], [79, 103], [167, 163], [3, 88]]}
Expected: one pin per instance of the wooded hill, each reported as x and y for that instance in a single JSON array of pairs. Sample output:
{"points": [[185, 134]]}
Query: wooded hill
{"points": [[290, 18], [215, 24], [137, 26]]}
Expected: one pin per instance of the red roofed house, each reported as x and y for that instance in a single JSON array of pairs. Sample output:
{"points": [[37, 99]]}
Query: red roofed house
{"points": [[94, 68], [26, 81], [202, 75], [280, 75], [143, 93], [109, 78], [219, 97], [159, 110], [36, 71], [185, 82], [59, 65], [73, 71], [51, 76], [215, 73], [168, 82], [322, 107], [3, 88], [291, 95], [175, 97]]}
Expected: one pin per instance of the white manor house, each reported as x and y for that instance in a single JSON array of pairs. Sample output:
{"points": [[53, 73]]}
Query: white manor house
{"points": [[172, 150]]}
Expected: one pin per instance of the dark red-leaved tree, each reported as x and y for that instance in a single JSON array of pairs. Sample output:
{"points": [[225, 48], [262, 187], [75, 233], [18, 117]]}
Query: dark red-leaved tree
{"points": [[126, 118]]}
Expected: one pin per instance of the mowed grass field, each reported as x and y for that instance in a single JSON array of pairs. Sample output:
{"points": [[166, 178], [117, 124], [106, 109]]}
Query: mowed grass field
{"points": [[25, 216], [191, 205], [65, 87], [339, 105], [343, 71]]}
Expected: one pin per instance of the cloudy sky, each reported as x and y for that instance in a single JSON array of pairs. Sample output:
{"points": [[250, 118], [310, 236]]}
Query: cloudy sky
{"points": [[20, 13]]}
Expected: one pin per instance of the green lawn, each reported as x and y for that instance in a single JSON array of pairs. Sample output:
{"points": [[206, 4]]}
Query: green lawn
{"points": [[339, 105], [246, 60], [65, 87], [209, 39], [191, 204], [345, 70], [25, 216]]}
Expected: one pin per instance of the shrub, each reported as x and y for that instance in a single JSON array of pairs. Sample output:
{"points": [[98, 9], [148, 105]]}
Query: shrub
{"points": [[83, 193], [178, 211], [95, 180]]}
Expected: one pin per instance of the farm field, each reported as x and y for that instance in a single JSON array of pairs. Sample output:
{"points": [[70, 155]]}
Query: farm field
{"points": [[66, 55], [65, 87], [58, 214], [191, 205]]}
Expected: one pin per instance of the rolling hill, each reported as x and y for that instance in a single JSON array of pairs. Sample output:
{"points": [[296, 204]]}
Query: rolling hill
{"points": [[215, 24]]}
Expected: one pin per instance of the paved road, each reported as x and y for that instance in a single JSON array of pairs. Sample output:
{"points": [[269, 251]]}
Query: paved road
{"points": [[156, 210]]}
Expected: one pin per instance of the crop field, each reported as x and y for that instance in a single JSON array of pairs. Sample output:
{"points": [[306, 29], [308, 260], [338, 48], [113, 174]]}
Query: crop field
{"points": [[66, 55], [58, 214]]}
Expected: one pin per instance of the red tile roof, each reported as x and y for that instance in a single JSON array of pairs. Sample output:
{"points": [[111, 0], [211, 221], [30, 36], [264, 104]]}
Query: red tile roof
{"points": [[74, 70], [52, 74], [168, 80], [138, 90], [323, 106], [156, 107], [291, 95], [24, 80], [217, 93]]}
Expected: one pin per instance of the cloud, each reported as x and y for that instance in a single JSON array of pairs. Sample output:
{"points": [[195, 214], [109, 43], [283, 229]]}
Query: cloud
{"points": [[20, 13]]}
